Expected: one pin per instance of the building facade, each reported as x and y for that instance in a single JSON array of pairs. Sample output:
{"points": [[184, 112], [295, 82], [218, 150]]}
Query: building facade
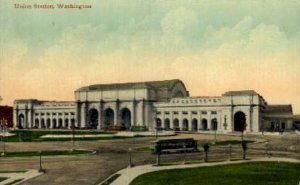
{"points": [[153, 104]]}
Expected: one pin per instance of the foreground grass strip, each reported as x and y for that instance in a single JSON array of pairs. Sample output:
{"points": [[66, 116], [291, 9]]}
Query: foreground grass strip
{"points": [[14, 182], [111, 179], [266, 173], [45, 153], [35, 136], [3, 178]]}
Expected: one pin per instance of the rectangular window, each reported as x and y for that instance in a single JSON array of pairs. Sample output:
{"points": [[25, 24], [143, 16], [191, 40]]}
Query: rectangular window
{"points": [[66, 113], [72, 113], [184, 112], [194, 112], [175, 112], [203, 112], [60, 113], [167, 112], [213, 112], [53, 113], [42, 114]]}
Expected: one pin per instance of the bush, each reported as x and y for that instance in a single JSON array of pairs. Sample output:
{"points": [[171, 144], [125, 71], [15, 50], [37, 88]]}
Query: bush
{"points": [[138, 128]]}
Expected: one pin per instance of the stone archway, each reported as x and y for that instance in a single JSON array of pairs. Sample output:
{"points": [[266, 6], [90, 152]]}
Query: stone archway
{"points": [[126, 118], [54, 123], [108, 117], [60, 123], [21, 121], [239, 121], [185, 124], [167, 124], [175, 124], [204, 124], [36, 123], [194, 124], [93, 118], [158, 123], [43, 123], [214, 124], [67, 123], [48, 123]]}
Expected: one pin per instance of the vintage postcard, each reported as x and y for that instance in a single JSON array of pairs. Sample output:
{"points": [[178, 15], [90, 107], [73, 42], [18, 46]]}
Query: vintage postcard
{"points": [[149, 92]]}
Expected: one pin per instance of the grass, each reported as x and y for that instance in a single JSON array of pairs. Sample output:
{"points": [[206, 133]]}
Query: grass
{"points": [[45, 153], [3, 178], [14, 182], [266, 173], [35, 136], [144, 149], [111, 179]]}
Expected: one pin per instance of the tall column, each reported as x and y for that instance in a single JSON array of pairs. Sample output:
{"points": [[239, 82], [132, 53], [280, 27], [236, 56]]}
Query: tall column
{"points": [[77, 116], [15, 117], [117, 112], [83, 115], [143, 113], [100, 116], [209, 120], [180, 120], [190, 121], [133, 112]]}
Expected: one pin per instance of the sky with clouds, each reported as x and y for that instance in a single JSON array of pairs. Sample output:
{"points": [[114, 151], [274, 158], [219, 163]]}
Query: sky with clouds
{"points": [[212, 45]]}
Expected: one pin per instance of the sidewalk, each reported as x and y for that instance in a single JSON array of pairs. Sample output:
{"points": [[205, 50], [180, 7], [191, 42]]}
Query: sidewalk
{"points": [[19, 175], [128, 174]]}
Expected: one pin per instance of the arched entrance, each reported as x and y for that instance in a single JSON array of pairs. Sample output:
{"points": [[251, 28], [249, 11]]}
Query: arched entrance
{"points": [[54, 124], [158, 123], [93, 118], [21, 123], [185, 124], [108, 117], [176, 124], [194, 124], [43, 123], [36, 123], [72, 123], [214, 124], [48, 123], [60, 123], [204, 124], [239, 121], [126, 118], [67, 123], [167, 123]]}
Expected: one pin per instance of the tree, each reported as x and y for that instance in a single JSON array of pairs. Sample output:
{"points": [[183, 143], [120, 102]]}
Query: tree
{"points": [[244, 147], [206, 149]]}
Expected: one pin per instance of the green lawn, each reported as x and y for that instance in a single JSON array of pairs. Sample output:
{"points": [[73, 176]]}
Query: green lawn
{"points": [[262, 173], [35, 136], [14, 182], [45, 153], [3, 178]]}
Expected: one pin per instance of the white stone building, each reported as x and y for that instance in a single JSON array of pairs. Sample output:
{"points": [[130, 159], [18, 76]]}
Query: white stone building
{"points": [[165, 104]]}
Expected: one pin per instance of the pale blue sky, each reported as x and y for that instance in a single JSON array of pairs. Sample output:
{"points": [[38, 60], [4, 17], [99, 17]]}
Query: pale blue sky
{"points": [[213, 46]]}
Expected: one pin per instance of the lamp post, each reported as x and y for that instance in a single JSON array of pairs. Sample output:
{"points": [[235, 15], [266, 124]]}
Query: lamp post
{"points": [[130, 159], [73, 136], [3, 124]]}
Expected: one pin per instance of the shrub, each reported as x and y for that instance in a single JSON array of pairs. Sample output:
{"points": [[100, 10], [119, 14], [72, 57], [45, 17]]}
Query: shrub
{"points": [[138, 128]]}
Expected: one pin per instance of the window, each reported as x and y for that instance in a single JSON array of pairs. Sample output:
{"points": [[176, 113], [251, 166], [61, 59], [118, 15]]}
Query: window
{"points": [[167, 112], [73, 113], [42, 114], [194, 112], [213, 112], [36, 114], [53, 113], [203, 112], [175, 112], [158, 113], [184, 112], [48, 114], [66, 113], [60, 113]]}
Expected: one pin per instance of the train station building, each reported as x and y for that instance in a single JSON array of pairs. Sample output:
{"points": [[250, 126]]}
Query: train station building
{"points": [[164, 104]]}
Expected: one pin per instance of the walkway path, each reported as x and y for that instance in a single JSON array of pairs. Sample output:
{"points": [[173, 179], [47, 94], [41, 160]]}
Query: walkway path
{"points": [[128, 174], [19, 175]]}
